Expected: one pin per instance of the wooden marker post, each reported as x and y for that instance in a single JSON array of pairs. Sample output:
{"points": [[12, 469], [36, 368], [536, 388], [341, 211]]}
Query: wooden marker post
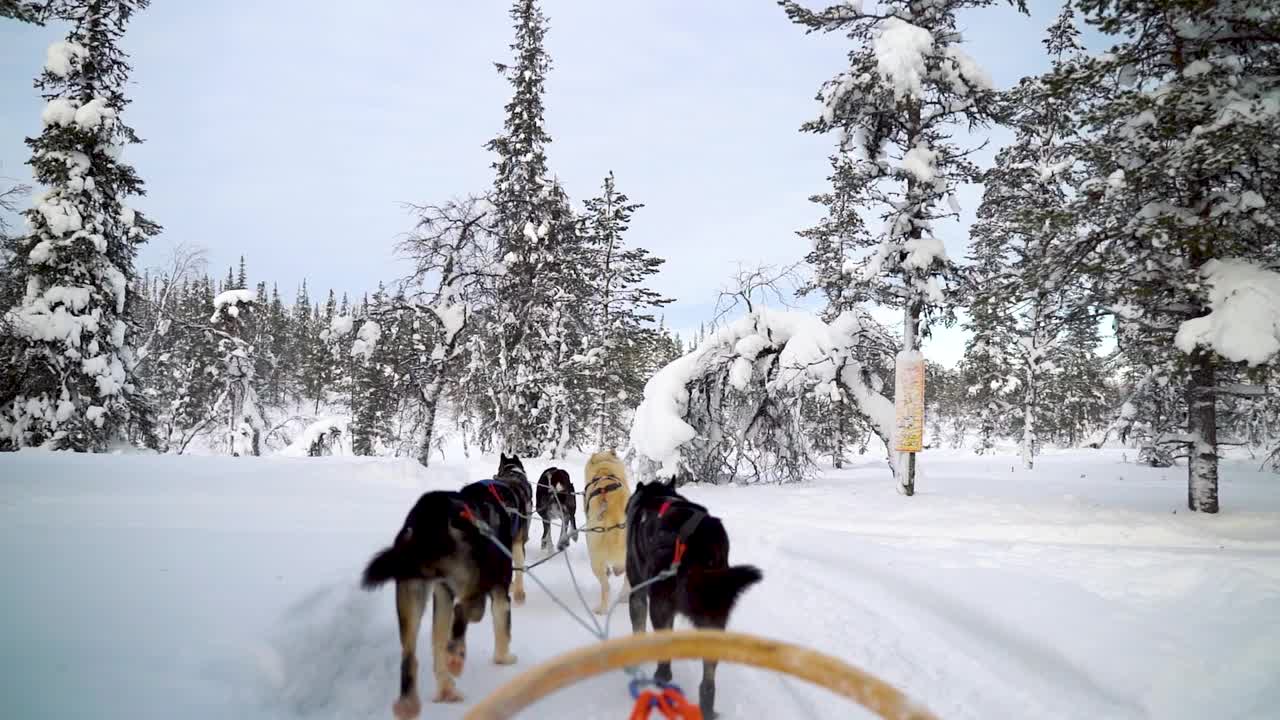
{"points": [[908, 399]]}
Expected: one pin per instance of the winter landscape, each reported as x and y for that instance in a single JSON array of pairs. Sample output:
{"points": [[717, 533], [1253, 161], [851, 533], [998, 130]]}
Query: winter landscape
{"points": [[963, 317]]}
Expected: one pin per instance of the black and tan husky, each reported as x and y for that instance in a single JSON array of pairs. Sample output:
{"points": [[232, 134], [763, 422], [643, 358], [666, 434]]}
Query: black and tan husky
{"points": [[663, 527], [441, 547]]}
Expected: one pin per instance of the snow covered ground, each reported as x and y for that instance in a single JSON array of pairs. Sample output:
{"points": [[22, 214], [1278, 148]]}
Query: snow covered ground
{"points": [[157, 587]]}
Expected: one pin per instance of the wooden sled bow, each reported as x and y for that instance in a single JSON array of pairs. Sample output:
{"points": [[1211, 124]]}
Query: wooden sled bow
{"points": [[835, 675]]}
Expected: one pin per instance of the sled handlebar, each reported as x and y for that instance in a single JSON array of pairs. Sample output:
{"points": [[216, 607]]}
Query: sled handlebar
{"points": [[831, 673]]}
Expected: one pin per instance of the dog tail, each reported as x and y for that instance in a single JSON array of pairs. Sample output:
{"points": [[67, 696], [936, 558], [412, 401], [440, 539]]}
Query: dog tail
{"points": [[712, 592], [387, 565]]}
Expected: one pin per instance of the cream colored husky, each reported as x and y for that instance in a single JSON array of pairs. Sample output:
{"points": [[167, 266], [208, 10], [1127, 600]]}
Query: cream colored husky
{"points": [[606, 507]]}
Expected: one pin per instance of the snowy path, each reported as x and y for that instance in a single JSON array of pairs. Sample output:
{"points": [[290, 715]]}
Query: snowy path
{"points": [[141, 587]]}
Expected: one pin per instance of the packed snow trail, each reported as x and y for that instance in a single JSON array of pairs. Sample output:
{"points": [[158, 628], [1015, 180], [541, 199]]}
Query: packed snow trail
{"points": [[153, 587]]}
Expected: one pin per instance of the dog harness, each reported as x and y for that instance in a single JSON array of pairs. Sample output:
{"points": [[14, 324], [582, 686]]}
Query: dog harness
{"points": [[492, 485], [600, 489], [686, 530]]}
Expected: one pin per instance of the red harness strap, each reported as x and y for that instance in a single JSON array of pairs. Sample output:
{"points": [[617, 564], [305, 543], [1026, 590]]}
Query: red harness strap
{"points": [[493, 490], [466, 513], [685, 531]]}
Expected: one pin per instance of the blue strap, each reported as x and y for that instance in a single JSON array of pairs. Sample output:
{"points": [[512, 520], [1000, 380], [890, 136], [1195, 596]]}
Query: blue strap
{"points": [[635, 686]]}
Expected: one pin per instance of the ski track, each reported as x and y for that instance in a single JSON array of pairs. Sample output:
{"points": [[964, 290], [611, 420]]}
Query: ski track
{"points": [[988, 650]]}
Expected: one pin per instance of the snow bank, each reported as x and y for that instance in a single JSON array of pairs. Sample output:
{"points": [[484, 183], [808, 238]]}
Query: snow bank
{"points": [[1243, 324]]}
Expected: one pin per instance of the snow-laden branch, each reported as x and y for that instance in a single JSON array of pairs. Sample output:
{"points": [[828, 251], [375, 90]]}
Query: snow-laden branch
{"points": [[1243, 324], [703, 411]]}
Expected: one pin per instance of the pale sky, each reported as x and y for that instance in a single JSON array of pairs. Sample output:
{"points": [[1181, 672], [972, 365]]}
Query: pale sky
{"points": [[290, 131]]}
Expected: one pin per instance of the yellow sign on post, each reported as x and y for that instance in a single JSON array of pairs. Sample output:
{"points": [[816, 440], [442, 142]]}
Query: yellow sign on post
{"points": [[908, 398]]}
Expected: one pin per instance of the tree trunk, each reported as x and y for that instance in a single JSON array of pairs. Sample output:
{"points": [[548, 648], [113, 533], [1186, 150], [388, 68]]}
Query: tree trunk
{"points": [[838, 460], [1028, 420], [430, 404], [1202, 426]]}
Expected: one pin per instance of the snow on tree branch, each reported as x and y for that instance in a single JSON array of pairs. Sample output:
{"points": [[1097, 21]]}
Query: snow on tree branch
{"points": [[727, 410], [1243, 324]]}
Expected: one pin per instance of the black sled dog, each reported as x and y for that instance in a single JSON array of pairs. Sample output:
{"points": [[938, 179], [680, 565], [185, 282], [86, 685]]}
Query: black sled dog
{"points": [[442, 548], [555, 500], [663, 528]]}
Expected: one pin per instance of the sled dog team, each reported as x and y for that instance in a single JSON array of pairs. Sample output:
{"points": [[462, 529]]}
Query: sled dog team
{"points": [[446, 549]]}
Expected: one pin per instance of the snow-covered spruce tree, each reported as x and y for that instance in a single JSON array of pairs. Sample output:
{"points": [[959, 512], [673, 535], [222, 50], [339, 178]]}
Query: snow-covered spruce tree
{"points": [[188, 375], [373, 396], [324, 375], [1080, 392], [24, 11], [520, 376], [837, 238], [244, 428], [947, 396], [276, 350], [986, 381], [333, 359], [452, 253], [11, 199], [1029, 292], [1182, 151], [303, 336], [621, 334], [69, 346], [908, 87]]}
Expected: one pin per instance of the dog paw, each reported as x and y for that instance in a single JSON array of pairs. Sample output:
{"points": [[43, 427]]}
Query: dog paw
{"points": [[507, 659], [448, 695], [454, 662], [407, 708], [517, 598]]}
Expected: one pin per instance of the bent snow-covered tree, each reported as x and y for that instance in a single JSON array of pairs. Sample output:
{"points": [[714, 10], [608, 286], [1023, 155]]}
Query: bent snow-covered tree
{"points": [[69, 348], [731, 409]]}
